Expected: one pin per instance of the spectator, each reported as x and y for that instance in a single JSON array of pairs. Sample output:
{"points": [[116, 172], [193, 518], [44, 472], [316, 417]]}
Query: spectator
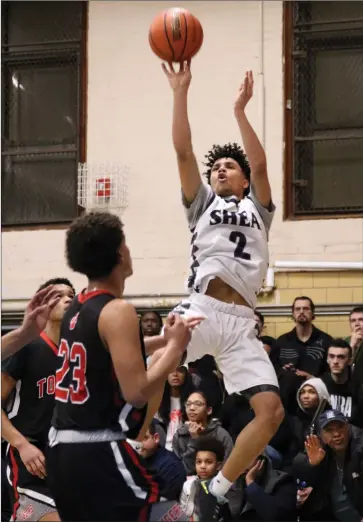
{"points": [[268, 495], [356, 326], [356, 342], [333, 470], [199, 423], [267, 341], [209, 457], [177, 389], [303, 350], [151, 323], [211, 381], [313, 398], [163, 464], [338, 379]]}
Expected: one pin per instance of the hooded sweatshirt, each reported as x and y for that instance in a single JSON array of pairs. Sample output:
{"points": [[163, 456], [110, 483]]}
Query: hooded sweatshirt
{"points": [[183, 444], [304, 421]]}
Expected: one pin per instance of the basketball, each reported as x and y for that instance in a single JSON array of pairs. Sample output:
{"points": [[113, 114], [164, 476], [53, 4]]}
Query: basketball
{"points": [[175, 35]]}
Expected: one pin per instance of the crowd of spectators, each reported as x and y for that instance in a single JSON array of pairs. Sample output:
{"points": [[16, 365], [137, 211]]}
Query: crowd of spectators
{"points": [[312, 468]]}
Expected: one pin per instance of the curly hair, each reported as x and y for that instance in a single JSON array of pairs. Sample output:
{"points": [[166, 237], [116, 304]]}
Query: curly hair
{"points": [[230, 150], [210, 444], [92, 244], [57, 281]]}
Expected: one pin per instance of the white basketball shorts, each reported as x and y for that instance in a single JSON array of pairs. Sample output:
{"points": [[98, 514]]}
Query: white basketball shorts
{"points": [[228, 334]]}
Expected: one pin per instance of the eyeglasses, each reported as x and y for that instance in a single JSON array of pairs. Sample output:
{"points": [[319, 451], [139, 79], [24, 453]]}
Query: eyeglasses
{"points": [[198, 404]]}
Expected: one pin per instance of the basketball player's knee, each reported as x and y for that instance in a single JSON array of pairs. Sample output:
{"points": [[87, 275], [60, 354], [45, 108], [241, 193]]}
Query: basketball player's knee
{"points": [[268, 410]]}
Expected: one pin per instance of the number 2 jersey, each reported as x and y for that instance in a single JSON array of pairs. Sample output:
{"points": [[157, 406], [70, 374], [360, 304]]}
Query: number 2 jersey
{"points": [[229, 241], [88, 396]]}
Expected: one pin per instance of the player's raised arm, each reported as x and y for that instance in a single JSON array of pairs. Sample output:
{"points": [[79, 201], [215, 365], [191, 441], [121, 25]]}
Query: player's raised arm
{"points": [[182, 138], [253, 148], [119, 329]]}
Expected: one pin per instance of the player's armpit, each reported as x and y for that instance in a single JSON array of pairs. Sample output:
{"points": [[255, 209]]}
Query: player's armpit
{"points": [[8, 431], [118, 327], [190, 178], [7, 385]]}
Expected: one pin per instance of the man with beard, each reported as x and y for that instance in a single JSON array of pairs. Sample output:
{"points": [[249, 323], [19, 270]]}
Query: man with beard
{"points": [[303, 350]]}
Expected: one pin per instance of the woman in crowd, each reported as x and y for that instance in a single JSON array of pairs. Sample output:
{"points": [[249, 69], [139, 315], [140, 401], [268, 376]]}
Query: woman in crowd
{"points": [[177, 389], [198, 422]]}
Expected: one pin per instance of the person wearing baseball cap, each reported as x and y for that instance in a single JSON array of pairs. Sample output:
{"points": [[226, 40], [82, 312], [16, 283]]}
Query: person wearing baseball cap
{"points": [[333, 467]]}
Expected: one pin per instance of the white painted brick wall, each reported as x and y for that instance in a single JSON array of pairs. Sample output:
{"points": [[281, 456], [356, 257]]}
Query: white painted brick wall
{"points": [[129, 120]]}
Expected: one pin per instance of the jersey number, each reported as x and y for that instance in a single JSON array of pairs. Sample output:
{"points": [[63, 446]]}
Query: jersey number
{"points": [[75, 360], [240, 240]]}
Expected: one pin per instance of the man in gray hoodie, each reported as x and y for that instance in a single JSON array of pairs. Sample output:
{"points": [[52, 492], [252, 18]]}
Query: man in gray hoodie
{"points": [[199, 423]]}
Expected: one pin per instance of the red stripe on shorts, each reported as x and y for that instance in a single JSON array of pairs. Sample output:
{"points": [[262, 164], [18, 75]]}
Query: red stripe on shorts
{"points": [[15, 471], [154, 492]]}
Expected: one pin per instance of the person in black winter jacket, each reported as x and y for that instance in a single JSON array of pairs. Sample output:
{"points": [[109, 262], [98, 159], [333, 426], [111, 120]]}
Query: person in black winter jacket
{"points": [[268, 495], [333, 468]]}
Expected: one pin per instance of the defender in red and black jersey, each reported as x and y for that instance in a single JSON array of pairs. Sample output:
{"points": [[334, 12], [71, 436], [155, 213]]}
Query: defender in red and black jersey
{"points": [[102, 386], [28, 386]]}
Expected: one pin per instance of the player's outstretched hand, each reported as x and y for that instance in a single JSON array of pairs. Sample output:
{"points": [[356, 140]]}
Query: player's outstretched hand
{"points": [[33, 459], [179, 80], [245, 92], [177, 330], [192, 322], [37, 312]]}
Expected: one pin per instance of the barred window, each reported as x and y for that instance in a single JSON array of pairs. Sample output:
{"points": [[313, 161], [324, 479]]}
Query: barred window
{"points": [[43, 85], [324, 108]]}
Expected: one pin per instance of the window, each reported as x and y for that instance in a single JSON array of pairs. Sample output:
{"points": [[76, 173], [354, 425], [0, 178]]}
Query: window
{"points": [[43, 84], [324, 108]]}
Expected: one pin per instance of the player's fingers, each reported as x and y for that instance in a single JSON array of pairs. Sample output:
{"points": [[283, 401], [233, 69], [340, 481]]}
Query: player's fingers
{"points": [[40, 468], [50, 295], [195, 321], [172, 67], [41, 457], [170, 320], [164, 68], [37, 298], [54, 302], [32, 468]]}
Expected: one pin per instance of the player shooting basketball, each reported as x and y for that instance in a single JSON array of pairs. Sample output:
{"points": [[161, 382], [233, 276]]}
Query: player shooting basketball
{"points": [[229, 220]]}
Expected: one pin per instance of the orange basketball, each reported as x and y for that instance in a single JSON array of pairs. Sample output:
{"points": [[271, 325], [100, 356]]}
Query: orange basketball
{"points": [[175, 35]]}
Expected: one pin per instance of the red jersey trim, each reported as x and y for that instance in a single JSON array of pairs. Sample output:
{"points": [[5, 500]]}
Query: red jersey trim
{"points": [[83, 297], [49, 342]]}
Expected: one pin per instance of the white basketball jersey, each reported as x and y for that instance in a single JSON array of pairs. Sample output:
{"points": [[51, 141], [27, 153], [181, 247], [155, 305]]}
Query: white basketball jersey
{"points": [[229, 241]]}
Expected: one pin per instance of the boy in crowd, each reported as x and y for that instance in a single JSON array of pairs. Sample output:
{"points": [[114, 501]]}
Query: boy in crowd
{"points": [[209, 457]]}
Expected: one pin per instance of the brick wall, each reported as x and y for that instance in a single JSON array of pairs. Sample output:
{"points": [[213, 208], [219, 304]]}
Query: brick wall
{"points": [[324, 288], [129, 121]]}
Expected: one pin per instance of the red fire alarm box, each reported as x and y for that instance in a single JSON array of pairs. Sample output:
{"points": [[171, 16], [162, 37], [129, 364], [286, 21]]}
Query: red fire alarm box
{"points": [[103, 187]]}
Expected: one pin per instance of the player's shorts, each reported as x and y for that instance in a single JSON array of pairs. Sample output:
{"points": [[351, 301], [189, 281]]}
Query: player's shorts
{"points": [[98, 480], [228, 334], [30, 494]]}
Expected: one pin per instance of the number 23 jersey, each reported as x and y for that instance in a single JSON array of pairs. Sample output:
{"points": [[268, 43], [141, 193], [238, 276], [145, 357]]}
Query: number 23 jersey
{"points": [[229, 241], [87, 393]]}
